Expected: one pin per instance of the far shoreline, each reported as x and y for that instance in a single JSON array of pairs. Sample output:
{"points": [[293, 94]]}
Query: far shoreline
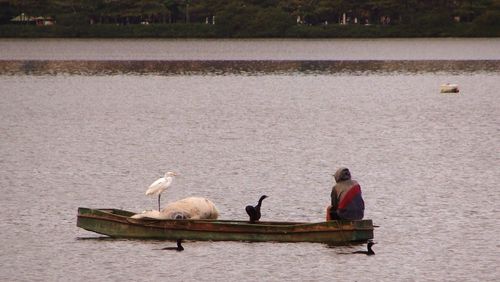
{"points": [[202, 31]]}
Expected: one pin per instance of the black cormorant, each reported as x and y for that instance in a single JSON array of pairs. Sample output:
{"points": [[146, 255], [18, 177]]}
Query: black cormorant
{"points": [[179, 247], [254, 212], [369, 252]]}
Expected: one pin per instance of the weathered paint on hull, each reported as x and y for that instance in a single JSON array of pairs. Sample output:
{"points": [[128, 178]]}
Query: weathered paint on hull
{"points": [[117, 223]]}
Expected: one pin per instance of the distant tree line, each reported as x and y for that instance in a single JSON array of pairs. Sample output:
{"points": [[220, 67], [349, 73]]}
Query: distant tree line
{"points": [[272, 16]]}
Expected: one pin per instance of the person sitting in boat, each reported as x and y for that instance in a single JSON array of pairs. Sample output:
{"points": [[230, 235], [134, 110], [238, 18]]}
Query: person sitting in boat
{"points": [[347, 202]]}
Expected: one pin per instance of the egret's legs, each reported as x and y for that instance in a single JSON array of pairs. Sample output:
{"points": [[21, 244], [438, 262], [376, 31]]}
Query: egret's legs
{"points": [[159, 195]]}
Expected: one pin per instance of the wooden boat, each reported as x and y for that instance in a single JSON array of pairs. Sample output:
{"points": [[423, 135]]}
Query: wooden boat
{"points": [[119, 224], [449, 88]]}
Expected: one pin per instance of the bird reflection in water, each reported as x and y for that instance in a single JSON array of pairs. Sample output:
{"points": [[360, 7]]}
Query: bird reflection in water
{"points": [[179, 247], [369, 251]]}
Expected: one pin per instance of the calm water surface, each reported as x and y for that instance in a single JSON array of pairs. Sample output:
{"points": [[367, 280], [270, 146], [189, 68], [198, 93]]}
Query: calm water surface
{"points": [[266, 49], [427, 163]]}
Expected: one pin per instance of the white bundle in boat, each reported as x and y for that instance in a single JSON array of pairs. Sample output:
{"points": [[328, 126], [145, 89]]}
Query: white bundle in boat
{"points": [[188, 208]]}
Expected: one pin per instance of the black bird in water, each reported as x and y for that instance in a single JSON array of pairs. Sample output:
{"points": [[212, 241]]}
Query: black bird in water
{"points": [[179, 247], [254, 212], [369, 252]]}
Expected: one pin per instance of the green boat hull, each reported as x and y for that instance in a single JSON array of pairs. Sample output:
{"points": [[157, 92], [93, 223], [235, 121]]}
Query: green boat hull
{"points": [[118, 224]]}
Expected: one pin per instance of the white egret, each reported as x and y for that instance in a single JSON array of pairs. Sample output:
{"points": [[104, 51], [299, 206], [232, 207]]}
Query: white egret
{"points": [[161, 185]]}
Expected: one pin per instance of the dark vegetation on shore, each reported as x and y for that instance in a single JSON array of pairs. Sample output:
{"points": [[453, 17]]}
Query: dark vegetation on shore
{"points": [[251, 18]]}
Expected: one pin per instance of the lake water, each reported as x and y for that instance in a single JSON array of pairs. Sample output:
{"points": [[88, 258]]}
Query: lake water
{"points": [[78, 129], [265, 49]]}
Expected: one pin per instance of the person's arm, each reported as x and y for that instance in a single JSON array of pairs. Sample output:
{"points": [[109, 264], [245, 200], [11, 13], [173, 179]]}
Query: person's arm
{"points": [[335, 202]]}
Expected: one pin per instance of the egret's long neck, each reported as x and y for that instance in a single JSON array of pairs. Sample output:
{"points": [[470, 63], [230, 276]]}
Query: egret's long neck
{"points": [[169, 180]]}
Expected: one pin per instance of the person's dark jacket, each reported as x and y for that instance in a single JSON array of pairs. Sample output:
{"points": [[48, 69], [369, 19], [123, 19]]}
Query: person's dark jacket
{"points": [[347, 201]]}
